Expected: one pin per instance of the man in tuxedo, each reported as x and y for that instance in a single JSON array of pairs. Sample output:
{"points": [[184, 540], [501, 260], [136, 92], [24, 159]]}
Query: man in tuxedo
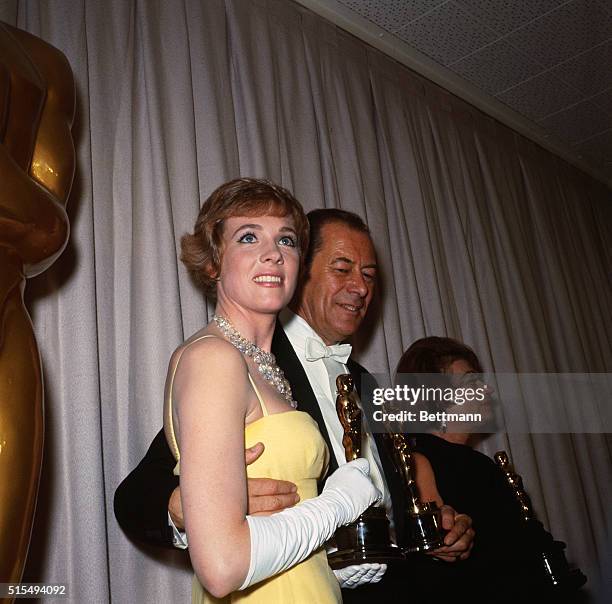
{"points": [[329, 306]]}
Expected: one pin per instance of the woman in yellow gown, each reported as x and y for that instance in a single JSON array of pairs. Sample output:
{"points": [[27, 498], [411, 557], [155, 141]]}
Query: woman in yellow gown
{"points": [[224, 392]]}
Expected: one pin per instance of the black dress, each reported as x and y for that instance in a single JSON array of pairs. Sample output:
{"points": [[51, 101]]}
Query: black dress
{"points": [[506, 563]]}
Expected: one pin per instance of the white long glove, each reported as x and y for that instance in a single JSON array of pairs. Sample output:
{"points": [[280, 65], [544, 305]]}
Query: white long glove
{"points": [[281, 540], [355, 575]]}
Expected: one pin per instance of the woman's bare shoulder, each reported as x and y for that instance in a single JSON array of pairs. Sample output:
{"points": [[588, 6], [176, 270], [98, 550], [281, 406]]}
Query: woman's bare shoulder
{"points": [[210, 351], [201, 368]]}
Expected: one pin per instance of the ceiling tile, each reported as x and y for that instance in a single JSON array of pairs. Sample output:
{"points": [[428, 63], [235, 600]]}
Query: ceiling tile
{"points": [[391, 15], [550, 60], [579, 122], [447, 33], [604, 100], [542, 95], [496, 67], [606, 5], [504, 16], [598, 147], [590, 71], [563, 33]]}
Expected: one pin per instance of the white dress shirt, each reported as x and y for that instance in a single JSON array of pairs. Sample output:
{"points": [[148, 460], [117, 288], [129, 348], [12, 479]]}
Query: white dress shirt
{"points": [[297, 330]]}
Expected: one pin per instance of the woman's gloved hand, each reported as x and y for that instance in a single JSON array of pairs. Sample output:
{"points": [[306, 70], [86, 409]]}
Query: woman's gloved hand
{"points": [[282, 540], [355, 575]]}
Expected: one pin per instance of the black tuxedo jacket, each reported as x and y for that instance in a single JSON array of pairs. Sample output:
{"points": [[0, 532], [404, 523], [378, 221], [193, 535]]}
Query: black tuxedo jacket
{"points": [[141, 500]]}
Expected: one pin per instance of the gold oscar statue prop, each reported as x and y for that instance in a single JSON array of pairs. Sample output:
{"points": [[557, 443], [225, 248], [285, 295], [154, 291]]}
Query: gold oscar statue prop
{"points": [[424, 530], [367, 539], [556, 572], [37, 159]]}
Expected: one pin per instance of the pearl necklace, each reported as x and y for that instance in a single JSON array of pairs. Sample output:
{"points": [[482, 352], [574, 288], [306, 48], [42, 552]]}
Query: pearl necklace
{"points": [[265, 361]]}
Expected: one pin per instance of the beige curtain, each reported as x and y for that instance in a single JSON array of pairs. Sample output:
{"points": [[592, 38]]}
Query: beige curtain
{"points": [[481, 235]]}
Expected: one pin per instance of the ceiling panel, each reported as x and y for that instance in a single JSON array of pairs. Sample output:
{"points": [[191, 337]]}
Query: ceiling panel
{"points": [[599, 148], [505, 16], [447, 33], [496, 67], [561, 34], [542, 95], [392, 14], [580, 122], [590, 71], [604, 100]]}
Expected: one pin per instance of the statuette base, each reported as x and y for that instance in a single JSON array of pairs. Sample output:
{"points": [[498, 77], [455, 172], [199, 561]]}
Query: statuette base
{"points": [[365, 540]]}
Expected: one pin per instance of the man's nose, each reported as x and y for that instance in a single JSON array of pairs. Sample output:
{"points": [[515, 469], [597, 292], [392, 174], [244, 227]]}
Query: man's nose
{"points": [[358, 285]]}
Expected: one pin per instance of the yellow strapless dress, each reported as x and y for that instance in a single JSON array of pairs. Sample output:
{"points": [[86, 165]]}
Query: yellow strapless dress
{"points": [[294, 451]]}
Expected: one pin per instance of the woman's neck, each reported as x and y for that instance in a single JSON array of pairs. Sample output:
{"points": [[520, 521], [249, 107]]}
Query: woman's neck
{"points": [[255, 327]]}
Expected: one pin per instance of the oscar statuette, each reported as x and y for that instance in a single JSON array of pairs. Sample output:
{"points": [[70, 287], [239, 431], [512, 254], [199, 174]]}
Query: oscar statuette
{"points": [[367, 539], [556, 572], [424, 530], [37, 164]]}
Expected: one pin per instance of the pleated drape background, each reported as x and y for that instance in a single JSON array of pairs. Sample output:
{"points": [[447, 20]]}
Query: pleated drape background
{"points": [[481, 235]]}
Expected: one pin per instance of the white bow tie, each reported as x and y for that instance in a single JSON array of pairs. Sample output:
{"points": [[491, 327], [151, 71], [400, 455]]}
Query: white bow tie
{"points": [[315, 350]]}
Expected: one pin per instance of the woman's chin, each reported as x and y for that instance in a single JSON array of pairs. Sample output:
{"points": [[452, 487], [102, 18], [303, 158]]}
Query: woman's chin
{"points": [[270, 308], [272, 301]]}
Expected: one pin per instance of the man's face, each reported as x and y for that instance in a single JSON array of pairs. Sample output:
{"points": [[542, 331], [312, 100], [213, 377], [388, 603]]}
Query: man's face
{"points": [[343, 274]]}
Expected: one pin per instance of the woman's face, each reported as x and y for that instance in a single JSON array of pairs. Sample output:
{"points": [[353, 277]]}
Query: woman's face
{"points": [[466, 377], [260, 262]]}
